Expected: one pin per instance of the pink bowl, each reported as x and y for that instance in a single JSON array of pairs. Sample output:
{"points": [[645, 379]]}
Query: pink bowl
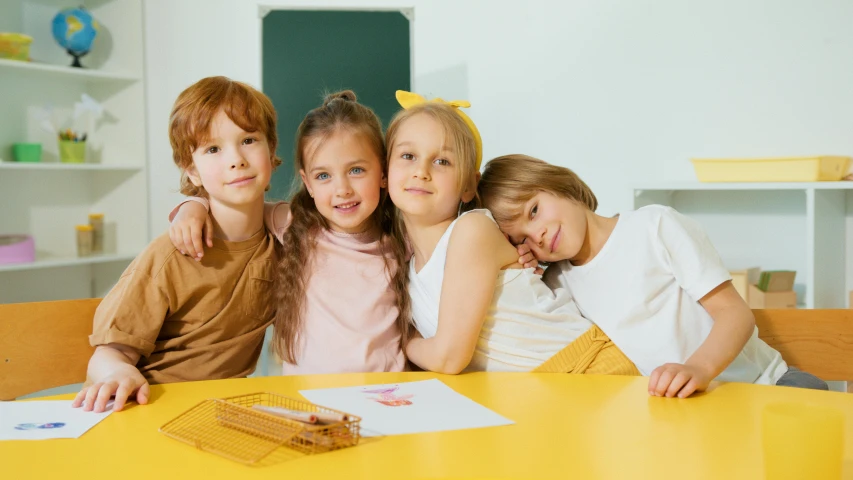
{"points": [[17, 249]]}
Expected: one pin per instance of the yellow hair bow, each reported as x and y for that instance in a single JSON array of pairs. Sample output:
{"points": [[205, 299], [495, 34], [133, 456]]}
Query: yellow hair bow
{"points": [[409, 99]]}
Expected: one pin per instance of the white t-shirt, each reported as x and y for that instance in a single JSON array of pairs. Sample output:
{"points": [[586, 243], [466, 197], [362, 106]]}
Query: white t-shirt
{"points": [[643, 290], [526, 324]]}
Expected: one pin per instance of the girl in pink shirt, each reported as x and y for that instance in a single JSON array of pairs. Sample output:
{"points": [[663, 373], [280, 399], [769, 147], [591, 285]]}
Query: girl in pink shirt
{"points": [[342, 304]]}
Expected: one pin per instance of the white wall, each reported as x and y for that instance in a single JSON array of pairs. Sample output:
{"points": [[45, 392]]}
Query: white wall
{"points": [[623, 91]]}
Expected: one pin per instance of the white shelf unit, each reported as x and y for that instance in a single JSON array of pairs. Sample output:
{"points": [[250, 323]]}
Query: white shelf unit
{"points": [[775, 226], [13, 66], [57, 262], [67, 167], [47, 199]]}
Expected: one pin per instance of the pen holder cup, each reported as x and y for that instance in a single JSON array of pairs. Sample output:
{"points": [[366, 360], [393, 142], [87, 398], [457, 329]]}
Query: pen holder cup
{"points": [[72, 152], [231, 428]]}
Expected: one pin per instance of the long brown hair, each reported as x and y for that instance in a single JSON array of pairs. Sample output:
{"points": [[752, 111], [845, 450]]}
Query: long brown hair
{"points": [[340, 111], [510, 181]]}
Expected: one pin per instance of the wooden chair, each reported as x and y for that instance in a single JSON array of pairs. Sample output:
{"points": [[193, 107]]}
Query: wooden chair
{"points": [[44, 345], [816, 341]]}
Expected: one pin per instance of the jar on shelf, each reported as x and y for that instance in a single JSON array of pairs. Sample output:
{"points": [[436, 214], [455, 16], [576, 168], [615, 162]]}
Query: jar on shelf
{"points": [[84, 240], [96, 220]]}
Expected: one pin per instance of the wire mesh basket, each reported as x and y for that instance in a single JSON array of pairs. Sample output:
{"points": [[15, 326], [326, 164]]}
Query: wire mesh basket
{"points": [[236, 429]]}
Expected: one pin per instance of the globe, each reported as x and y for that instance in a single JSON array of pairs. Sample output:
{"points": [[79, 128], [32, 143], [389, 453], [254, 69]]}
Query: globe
{"points": [[74, 29]]}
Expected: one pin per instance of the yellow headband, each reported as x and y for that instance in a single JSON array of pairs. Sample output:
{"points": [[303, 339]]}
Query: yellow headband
{"points": [[409, 99]]}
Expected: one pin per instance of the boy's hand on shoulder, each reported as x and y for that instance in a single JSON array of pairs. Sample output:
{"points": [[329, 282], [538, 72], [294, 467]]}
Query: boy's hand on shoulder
{"points": [[190, 225], [676, 379], [526, 258], [124, 383]]}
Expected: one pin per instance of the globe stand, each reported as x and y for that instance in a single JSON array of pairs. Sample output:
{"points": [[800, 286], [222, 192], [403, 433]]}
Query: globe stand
{"points": [[77, 56]]}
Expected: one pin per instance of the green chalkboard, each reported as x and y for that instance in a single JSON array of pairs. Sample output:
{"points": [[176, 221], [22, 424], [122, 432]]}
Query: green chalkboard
{"points": [[307, 54]]}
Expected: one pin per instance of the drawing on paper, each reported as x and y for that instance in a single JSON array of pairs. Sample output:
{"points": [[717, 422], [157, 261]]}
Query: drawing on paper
{"points": [[33, 426], [388, 398]]}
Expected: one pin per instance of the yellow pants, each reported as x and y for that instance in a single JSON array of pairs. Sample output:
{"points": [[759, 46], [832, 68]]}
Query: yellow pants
{"points": [[593, 352]]}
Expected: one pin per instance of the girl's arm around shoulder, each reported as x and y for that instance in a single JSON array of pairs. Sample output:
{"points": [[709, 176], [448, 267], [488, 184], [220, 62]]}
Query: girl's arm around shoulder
{"points": [[476, 254], [189, 221], [191, 227]]}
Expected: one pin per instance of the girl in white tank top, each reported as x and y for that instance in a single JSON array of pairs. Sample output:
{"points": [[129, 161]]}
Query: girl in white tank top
{"points": [[474, 307]]}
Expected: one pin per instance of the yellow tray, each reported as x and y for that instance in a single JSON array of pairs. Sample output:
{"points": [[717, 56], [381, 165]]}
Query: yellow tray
{"points": [[823, 168]]}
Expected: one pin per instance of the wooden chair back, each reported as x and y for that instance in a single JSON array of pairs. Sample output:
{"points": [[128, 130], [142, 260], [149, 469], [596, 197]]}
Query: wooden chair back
{"points": [[44, 345], [816, 341]]}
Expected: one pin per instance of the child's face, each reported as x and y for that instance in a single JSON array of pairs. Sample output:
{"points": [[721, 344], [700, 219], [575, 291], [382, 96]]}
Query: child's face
{"points": [[344, 175], [233, 166], [422, 171], [553, 227]]}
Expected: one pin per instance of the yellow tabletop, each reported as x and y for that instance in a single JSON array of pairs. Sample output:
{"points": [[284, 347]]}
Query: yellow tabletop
{"points": [[567, 426]]}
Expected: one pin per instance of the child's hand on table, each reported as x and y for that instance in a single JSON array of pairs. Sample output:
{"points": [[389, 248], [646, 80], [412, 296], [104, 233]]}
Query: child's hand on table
{"points": [[125, 383], [675, 379], [187, 228]]}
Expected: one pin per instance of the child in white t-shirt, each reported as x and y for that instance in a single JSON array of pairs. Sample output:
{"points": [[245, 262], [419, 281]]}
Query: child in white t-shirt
{"points": [[650, 279]]}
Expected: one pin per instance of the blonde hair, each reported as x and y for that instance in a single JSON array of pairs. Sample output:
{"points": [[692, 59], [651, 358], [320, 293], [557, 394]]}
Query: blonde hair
{"points": [[457, 136], [189, 123], [340, 112], [510, 181]]}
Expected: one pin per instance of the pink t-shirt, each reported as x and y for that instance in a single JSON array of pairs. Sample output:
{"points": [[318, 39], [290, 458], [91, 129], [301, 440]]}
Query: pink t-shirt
{"points": [[350, 308]]}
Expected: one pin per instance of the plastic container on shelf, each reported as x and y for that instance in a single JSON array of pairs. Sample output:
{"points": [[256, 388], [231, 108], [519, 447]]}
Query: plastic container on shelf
{"points": [[84, 240], [26, 152], [15, 46], [819, 168], [17, 249], [72, 152]]}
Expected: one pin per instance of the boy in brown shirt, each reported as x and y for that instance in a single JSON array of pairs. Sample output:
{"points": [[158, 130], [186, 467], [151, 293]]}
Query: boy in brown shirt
{"points": [[171, 318]]}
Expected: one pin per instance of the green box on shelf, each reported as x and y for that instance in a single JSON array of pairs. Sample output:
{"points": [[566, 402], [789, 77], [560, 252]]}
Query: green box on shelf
{"points": [[26, 152]]}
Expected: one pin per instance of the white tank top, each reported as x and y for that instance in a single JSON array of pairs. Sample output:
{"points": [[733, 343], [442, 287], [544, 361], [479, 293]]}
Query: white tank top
{"points": [[526, 324]]}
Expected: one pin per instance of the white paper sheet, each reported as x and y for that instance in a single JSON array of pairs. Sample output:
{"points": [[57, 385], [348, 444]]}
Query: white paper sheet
{"points": [[41, 420], [408, 407]]}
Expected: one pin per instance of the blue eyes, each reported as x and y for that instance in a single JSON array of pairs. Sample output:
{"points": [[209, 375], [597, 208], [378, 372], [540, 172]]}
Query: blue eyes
{"points": [[353, 171]]}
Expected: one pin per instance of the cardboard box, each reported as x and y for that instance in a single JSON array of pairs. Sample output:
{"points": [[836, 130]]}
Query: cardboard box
{"points": [[761, 299], [777, 281], [742, 279]]}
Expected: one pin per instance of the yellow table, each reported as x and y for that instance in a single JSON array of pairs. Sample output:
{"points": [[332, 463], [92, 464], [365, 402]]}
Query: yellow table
{"points": [[567, 426]]}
